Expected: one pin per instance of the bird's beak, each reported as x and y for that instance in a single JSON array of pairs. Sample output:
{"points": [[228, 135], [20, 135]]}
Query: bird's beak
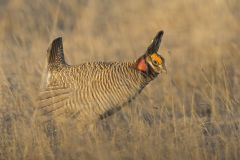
{"points": [[164, 69]]}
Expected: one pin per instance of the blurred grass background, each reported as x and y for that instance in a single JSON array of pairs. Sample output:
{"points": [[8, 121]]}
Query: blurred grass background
{"points": [[190, 113]]}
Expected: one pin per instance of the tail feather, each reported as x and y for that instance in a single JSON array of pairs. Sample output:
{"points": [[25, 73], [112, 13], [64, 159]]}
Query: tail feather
{"points": [[55, 53], [55, 58]]}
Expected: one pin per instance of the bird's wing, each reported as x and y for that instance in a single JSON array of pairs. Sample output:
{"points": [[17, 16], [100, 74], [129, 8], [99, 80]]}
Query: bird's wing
{"points": [[63, 102], [53, 102]]}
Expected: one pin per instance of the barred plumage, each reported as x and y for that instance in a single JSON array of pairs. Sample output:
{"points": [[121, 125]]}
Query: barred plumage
{"points": [[95, 90]]}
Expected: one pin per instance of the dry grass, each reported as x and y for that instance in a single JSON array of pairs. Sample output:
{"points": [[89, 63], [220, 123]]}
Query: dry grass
{"points": [[191, 113]]}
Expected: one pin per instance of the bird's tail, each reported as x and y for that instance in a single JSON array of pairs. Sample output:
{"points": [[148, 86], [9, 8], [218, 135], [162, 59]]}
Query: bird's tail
{"points": [[55, 54]]}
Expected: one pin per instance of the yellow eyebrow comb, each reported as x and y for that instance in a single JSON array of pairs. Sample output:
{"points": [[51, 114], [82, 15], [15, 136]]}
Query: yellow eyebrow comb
{"points": [[156, 58]]}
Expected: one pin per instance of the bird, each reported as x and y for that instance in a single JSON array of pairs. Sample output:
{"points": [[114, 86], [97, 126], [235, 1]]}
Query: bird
{"points": [[93, 91]]}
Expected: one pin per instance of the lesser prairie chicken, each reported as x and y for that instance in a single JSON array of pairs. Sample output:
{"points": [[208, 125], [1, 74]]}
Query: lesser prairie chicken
{"points": [[95, 90]]}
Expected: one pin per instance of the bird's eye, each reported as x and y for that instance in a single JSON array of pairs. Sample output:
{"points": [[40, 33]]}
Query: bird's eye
{"points": [[155, 62]]}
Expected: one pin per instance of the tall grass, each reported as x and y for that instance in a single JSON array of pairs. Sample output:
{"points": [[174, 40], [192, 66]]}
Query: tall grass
{"points": [[190, 113]]}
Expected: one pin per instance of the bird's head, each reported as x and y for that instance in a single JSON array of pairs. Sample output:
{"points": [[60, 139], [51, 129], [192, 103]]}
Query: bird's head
{"points": [[152, 62]]}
